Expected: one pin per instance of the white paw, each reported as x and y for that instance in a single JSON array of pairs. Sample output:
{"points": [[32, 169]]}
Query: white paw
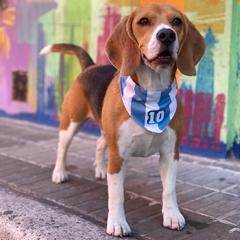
{"points": [[118, 228], [173, 220], [100, 170], [59, 176]]}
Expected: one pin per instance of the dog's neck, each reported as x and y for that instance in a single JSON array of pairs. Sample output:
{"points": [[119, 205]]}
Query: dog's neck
{"points": [[151, 80]]}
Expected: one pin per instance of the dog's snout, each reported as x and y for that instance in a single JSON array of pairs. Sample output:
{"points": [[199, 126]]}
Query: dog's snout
{"points": [[166, 36]]}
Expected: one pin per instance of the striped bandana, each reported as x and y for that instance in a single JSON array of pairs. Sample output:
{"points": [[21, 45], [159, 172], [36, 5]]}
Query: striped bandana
{"points": [[152, 110]]}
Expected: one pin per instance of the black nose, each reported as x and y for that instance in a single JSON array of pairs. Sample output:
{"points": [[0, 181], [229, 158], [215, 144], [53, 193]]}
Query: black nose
{"points": [[166, 36]]}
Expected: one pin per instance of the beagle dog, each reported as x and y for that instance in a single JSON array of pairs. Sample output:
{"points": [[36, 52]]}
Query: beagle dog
{"points": [[134, 102]]}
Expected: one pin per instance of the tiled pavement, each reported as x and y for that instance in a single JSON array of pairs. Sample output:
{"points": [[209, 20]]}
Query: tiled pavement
{"points": [[208, 191]]}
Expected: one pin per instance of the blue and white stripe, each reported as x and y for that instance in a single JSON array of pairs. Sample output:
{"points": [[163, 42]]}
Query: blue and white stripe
{"points": [[152, 110]]}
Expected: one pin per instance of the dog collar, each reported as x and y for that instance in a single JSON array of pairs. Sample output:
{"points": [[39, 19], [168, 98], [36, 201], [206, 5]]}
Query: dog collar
{"points": [[152, 110]]}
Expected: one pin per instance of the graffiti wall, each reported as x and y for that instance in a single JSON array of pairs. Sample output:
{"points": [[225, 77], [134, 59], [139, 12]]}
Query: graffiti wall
{"points": [[32, 87]]}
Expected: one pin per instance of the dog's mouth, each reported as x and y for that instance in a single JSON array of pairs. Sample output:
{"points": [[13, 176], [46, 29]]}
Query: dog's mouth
{"points": [[165, 55], [163, 60]]}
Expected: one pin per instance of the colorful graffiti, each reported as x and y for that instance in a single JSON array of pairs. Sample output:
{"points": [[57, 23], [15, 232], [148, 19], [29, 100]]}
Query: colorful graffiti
{"points": [[210, 99]]}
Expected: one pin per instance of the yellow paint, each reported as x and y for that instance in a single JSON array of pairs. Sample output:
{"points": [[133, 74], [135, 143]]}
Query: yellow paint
{"points": [[4, 43], [133, 3], [207, 13], [9, 16]]}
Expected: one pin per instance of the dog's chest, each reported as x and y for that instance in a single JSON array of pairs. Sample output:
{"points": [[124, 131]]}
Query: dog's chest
{"points": [[136, 141]]}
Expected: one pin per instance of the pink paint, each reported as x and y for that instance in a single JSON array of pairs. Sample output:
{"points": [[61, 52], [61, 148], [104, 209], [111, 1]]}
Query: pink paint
{"points": [[111, 19], [188, 100], [218, 119], [23, 39], [201, 119]]}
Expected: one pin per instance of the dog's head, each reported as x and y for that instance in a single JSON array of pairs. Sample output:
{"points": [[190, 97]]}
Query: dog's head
{"points": [[158, 35]]}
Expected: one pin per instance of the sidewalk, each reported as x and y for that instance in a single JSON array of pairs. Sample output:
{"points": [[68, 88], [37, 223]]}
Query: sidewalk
{"points": [[208, 191]]}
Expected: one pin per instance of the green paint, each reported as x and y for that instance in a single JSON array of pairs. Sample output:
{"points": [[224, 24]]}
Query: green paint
{"points": [[234, 81], [70, 22]]}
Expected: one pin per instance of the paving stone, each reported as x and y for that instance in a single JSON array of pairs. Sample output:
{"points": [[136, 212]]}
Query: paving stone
{"points": [[192, 194], [63, 193], [183, 187], [6, 143], [85, 194], [156, 195], [52, 188], [94, 204], [148, 226], [234, 190], [197, 228], [94, 194], [195, 175], [34, 175], [143, 213], [234, 218], [205, 201], [135, 204], [223, 207], [13, 172], [144, 185]]}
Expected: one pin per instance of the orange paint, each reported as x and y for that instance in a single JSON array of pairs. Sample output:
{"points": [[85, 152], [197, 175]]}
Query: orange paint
{"points": [[9, 16], [177, 3]]}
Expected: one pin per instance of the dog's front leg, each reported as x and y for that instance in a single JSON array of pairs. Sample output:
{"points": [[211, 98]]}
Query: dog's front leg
{"points": [[116, 224], [172, 218], [99, 164]]}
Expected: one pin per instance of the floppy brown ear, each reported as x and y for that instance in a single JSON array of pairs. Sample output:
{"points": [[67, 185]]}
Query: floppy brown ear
{"points": [[122, 50], [191, 51]]}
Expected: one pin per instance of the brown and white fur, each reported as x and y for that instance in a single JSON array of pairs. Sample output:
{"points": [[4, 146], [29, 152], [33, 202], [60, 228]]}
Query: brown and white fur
{"points": [[148, 45]]}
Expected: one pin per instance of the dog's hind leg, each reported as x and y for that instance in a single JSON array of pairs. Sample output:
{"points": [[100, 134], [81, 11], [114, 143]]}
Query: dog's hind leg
{"points": [[99, 164], [65, 137], [75, 112]]}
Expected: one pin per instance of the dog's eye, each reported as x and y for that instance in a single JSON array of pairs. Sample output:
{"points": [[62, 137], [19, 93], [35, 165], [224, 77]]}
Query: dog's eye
{"points": [[143, 21], [177, 21]]}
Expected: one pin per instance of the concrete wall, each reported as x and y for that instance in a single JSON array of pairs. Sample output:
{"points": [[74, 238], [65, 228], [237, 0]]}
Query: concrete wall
{"points": [[33, 87]]}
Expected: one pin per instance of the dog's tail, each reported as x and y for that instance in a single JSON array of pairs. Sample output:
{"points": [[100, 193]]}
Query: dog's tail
{"points": [[83, 57]]}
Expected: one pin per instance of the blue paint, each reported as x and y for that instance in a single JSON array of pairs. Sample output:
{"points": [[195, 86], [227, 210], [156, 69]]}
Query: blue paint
{"points": [[236, 149], [89, 127], [41, 67], [205, 77], [205, 74], [50, 104]]}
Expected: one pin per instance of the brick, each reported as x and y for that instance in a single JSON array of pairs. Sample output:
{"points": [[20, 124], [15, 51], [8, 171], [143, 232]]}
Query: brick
{"points": [[204, 202], [134, 204], [197, 228], [234, 190], [192, 194], [144, 213], [94, 204], [234, 218], [6, 143], [156, 195], [89, 196], [148, 226], [183, 187], [37, 175], [50, 187], [195, 175], [63, 193], [223, 207], [144, 185]]}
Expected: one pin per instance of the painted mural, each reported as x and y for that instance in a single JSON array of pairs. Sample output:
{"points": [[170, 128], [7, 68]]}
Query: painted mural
{"points": [[32, 87]]}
